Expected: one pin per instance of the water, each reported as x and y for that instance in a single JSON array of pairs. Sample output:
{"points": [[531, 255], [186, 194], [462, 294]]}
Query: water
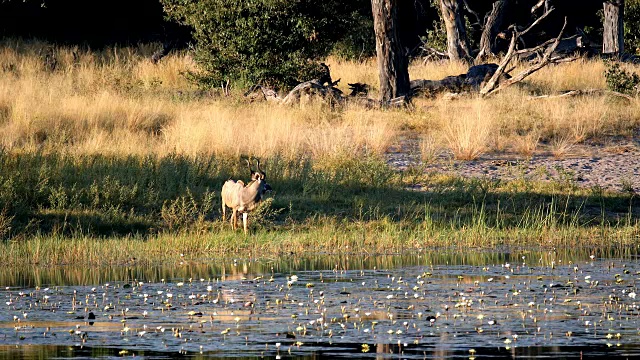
{"points": [[430, 304]]}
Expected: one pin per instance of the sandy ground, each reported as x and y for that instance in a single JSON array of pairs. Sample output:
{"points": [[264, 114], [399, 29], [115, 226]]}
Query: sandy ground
{"points": [[614, 166]]}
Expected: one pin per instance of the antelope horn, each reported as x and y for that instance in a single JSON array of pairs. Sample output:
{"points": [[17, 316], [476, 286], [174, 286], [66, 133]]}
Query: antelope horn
{"points": [[260, 170], [249, 166]]}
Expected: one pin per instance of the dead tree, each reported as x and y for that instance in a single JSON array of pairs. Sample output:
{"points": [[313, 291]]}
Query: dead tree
{"points": [[547, 48], [471, 82], [457, 42], [314, 88], [491, 29], [613, 32], [486, 79], [545, 4], [393, 62]]}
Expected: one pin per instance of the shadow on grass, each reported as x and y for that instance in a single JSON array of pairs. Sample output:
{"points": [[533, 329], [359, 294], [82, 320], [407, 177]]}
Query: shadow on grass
{"points": [[106, 196]]}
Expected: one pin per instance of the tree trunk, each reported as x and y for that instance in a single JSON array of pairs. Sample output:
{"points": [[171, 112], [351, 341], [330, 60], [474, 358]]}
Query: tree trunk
{"points": [[393, 62], [491, 29], [457, 43], [613, 33]]}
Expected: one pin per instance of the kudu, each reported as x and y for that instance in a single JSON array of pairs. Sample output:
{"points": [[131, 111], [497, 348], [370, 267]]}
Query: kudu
{"points": [[243, 198]]}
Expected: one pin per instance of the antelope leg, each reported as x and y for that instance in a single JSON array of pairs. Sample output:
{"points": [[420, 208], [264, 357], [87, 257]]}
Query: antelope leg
{"points": [[224, 212], [244, 221]]}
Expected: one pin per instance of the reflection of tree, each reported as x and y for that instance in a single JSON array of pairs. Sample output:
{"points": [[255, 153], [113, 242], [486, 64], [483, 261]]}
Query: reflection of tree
{"points": [[382, 350], [442, 349]]}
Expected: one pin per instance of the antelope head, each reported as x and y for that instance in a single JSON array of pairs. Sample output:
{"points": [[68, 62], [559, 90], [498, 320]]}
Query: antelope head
{"points": [[243, 198], [259, 175]]}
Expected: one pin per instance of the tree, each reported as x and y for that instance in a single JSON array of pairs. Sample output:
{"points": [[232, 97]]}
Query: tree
{"points": [[273, 42], [492, 24], [393, 62], [457, 42], [613, 32]]}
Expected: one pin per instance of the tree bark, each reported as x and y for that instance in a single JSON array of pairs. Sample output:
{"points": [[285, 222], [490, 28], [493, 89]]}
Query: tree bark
{"points": [[613, 33], [457, 42], [393, 62], [491, 29]]}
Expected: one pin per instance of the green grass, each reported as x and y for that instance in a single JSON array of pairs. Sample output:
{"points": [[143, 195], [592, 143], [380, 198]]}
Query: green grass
{"points": [[94, 209]]}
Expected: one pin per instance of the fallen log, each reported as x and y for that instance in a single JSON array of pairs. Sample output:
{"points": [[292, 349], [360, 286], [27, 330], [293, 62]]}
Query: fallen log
{"points": [[472, 81], [430, 88], [583, 92], [316, 88]]}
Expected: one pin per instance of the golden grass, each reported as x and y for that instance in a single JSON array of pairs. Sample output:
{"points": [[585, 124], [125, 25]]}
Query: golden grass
{"points": [[467, 134], [117, 101]]}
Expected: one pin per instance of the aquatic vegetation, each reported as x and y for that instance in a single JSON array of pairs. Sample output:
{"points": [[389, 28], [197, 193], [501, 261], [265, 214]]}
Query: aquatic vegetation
{"points": [[530, 306]]}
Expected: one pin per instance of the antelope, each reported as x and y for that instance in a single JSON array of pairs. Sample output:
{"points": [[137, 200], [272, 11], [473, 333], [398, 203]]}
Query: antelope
{"points": [[243, 198]]}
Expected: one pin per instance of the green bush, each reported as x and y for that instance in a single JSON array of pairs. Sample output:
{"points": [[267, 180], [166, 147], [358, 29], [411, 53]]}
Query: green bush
{"points": [[273, 42], [632, 26], [186, 211], [620, 80], [359, 42]]}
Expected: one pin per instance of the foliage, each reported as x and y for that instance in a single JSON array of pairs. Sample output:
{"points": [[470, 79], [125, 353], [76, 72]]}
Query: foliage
{"points": [[632, 26], [5, 224], [186, 211], [274, 42], [359, 42], [620, 80], [436, 37]]}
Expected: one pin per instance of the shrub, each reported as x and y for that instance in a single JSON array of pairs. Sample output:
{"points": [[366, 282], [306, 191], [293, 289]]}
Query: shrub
{"points": [[631, 28], [620, 80], [274, 42], [186, 211]]}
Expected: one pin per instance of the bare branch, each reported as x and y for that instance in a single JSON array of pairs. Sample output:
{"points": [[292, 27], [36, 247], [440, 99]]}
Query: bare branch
{"points": [[546, 60], [493, 81], [537, 6], [478, 22], [580, 92], [563, 59], [432, 53], [533, 24], [535, 49]]}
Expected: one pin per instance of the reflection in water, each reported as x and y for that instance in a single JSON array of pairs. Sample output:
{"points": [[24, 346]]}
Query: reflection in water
{"points": [[433, 304], [225, 269], [380, 351]]}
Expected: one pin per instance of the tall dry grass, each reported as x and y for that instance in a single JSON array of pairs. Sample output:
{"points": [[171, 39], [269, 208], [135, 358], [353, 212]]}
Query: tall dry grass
{"points": [[117, 101], [513, 121]]}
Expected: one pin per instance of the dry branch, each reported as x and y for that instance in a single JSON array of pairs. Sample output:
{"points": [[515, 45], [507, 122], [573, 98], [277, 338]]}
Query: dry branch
{"points": [[582, 92], [493, 85]]}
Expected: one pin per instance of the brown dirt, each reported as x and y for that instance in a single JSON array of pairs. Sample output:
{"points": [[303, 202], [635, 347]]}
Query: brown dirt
{"points": [[613, 166]]}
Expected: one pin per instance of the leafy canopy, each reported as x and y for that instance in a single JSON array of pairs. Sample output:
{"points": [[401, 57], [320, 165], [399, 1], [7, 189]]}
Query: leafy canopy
{"points": [[273, 42]]}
